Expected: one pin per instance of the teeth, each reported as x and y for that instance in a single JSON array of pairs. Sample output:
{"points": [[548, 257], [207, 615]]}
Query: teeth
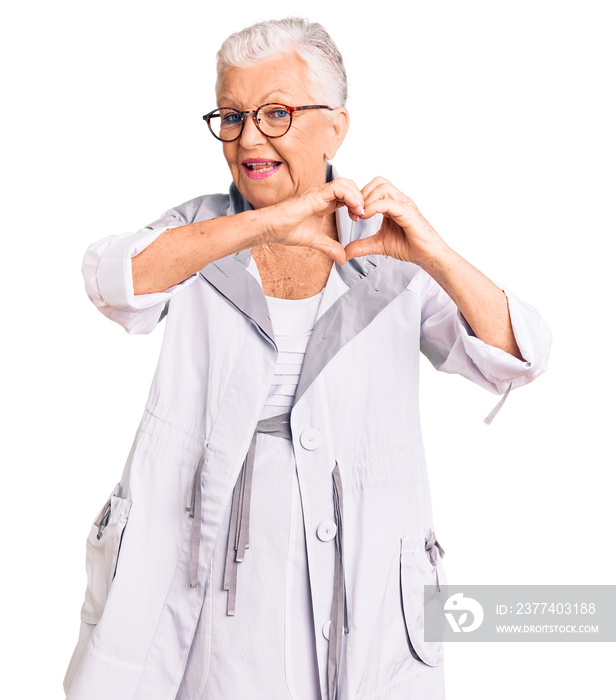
{"points": [[261, 167]]}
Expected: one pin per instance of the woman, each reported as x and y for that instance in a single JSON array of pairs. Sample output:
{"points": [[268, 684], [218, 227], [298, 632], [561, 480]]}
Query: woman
{"points": [[275, 501]]}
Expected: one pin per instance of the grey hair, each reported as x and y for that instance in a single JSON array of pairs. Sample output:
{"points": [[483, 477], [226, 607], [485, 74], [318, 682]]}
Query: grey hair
{"points": [[309, 39]]}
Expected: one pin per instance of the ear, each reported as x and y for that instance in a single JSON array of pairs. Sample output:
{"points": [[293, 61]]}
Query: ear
{"points": [[339, 128]]}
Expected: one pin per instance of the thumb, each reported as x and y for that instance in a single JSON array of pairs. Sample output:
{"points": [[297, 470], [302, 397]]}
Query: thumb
{"points": [[364, 246], [331, 248]]}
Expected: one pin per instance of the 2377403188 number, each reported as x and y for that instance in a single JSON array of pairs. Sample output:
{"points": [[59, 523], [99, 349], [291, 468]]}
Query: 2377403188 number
{"points": [[559, 608]]}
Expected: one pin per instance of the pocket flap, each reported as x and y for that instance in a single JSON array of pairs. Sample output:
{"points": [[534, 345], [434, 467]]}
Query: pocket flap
{"points": [[417, 571], [102, 551]]}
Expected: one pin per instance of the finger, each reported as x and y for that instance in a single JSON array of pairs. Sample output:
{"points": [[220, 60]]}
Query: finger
{"points": [[380, 188], [393, 208], [318, 201], [371, 245], [375, 183], [347, 192], [354, 217], [331, 248]]}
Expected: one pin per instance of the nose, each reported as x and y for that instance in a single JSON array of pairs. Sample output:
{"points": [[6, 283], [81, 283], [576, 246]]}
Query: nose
{"points": [[251, 136]]}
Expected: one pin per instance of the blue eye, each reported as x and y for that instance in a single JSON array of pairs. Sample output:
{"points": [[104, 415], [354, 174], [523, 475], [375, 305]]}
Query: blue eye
{"points": [[231, 119], [278, 113]]}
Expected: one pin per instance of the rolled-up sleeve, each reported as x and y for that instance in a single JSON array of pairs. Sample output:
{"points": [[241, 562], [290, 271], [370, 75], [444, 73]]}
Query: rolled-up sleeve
{"points": [[107, 272], [450, 345]]}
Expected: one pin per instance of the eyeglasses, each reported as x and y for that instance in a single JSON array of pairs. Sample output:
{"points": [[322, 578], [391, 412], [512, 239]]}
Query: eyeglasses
{"points": [[272, 119]]}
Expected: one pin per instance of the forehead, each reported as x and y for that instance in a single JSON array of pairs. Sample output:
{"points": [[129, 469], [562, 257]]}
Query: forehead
{"points": [[283, 77]]}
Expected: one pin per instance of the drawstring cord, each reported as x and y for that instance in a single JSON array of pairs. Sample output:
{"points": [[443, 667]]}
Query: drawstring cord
{"points": [[238, 543], [193, 507], [340, 618], [432, 546], [239, 527], [490, 417]]}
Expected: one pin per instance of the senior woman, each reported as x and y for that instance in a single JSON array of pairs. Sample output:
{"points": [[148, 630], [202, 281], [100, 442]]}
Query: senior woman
{"points": [[272, 531]]}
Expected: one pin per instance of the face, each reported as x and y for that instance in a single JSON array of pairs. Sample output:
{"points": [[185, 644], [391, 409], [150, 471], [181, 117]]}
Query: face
{"points": [[267, 171]]}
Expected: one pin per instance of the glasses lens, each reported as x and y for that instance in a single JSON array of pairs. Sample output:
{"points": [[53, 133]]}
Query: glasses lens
{"points": [[274, 120], [226, 124]]}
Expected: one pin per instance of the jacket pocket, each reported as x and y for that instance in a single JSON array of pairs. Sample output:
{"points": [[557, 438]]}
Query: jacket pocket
{"points": [[421, 567], [102, 552]]}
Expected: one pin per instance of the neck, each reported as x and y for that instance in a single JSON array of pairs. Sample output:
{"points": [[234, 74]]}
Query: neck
{"points": [[295, 272]]}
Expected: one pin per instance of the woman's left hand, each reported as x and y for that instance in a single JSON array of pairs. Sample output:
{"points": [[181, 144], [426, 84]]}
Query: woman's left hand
{"points": [[404, 233]]}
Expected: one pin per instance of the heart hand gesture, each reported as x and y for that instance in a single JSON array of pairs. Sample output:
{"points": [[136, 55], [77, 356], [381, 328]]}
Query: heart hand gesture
{"points": [[404, 234]]}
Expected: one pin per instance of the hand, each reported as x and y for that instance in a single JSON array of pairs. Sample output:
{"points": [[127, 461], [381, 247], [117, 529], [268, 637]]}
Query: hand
{"points": [[404, 233], [298, 221]]}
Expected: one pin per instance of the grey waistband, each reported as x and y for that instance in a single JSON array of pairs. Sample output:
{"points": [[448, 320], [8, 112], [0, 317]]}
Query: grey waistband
{"points": [[239, 526]]}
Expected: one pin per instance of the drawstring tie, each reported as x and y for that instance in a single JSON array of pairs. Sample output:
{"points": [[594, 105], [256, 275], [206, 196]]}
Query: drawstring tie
{"points": [[340, 618], [432, 546], [490, 417], [239, 527], [193, 507]]}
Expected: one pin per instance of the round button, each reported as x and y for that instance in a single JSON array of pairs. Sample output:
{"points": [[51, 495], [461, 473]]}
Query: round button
{"points": [[326, 531], [325, 629], [310, 439]]}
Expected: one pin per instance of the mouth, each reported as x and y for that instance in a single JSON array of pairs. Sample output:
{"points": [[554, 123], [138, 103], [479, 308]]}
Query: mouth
{"points": [[260, 168]]}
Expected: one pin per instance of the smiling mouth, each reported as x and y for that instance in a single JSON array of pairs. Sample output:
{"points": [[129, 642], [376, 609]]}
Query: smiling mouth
{"points": [[260, 166]]}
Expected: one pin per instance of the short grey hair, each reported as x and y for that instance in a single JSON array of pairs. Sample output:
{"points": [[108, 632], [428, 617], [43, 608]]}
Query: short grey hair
{"points": [[309, 39]]}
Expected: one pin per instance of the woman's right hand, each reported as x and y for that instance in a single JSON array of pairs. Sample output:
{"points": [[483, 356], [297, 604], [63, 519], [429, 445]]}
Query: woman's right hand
{"points": [[298, 221], [180, 252]]}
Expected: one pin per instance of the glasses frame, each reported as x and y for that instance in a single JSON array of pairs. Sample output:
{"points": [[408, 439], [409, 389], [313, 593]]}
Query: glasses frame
{"points": [[254, 113]]}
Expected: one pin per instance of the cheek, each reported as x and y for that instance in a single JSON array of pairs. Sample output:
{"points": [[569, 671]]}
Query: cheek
{"points": [[306, 152], [228, 152]]}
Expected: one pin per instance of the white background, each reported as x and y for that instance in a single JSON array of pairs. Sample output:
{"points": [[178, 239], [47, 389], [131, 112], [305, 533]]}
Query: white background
{"points": [[504, 136]]}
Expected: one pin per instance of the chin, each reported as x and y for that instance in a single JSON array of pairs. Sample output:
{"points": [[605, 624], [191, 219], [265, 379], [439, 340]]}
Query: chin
{"points": [[261, 197]]}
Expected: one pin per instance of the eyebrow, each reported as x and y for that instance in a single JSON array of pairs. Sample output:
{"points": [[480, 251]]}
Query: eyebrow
{"points": [[265, 98]]}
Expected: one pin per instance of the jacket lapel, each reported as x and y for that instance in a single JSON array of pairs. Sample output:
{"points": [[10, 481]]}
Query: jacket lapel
{"points": [[231, 279], [371, 283], [351, 312]]}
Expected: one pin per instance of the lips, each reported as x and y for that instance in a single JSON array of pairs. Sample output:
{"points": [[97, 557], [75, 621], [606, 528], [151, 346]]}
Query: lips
{"points": [[259, 168]]}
